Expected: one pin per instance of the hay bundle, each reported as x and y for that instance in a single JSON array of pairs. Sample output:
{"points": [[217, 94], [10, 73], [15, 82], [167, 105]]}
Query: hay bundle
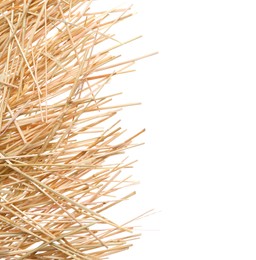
{"points": [[55, 182]]}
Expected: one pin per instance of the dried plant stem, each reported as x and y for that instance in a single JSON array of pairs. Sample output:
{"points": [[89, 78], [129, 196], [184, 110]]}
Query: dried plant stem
{"points": [[56, 176]]}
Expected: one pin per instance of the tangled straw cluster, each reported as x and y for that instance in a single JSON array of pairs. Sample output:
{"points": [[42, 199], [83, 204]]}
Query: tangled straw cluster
{"points": [[55, 182]]}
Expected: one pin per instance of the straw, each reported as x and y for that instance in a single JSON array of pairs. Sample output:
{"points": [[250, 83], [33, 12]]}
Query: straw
{"points": [[57, 132]]}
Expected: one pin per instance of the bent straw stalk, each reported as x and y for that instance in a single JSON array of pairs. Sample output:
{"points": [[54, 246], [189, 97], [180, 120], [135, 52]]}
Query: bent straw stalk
{"points": [[56, 181]]}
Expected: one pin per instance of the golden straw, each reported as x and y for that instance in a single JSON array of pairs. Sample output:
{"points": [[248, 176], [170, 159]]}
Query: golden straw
{"points": [[57, 131]]}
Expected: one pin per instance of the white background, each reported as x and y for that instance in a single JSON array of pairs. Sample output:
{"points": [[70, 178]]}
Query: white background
{"points": [[199, 108]]}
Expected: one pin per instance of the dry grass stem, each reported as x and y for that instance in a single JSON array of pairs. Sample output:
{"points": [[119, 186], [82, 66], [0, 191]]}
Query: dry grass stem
{"points": [[58, 133]]}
